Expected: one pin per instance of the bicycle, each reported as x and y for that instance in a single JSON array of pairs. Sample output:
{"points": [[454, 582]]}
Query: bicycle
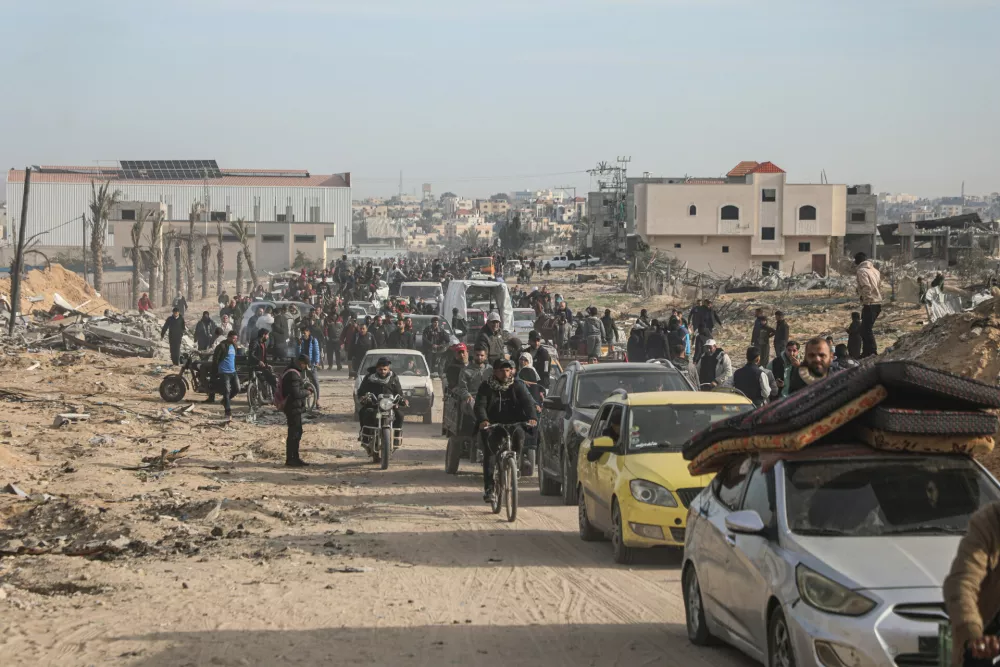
{"points": [[259, 392], [506, 472]]}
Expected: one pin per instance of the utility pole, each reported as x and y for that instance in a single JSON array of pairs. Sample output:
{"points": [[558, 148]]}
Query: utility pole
{"points": [[15, 279]]}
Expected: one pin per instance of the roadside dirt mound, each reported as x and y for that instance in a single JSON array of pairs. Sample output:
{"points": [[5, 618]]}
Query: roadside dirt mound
{"points": [[965, 343], [57, 279]]}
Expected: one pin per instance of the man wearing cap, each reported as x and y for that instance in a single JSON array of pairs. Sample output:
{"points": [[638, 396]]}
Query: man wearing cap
{"points": [[174, 325], [379, 380], [458, 362], [501, 400], [295, 392], [491, 338], [540, 358], [715, 368]]}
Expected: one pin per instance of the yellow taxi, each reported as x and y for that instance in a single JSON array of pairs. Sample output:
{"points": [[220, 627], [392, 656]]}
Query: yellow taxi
{"points": [[634, 485]]}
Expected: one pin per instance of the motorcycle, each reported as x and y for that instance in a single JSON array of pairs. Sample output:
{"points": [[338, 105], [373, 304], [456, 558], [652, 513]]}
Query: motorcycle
{"points": [[381, 440], [193, 376]]}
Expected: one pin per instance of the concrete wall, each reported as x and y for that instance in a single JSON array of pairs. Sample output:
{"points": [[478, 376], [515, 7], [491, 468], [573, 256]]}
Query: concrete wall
{"points": [[706, 253]]}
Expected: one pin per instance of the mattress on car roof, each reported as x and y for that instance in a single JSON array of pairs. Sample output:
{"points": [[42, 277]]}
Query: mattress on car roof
{"points": [[923, 421], [907, 382]]}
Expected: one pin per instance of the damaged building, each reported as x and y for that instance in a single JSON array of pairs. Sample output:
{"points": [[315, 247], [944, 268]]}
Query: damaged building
{"points": [[941, 242]]}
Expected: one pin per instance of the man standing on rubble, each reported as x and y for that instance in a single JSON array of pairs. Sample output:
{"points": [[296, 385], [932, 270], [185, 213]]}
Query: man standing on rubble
{"points": [[180, 303], [224, 360], [870, 293], [309, 346], [175, 327], [781, 334], [819, 356], [204, 332], [294, 393]]}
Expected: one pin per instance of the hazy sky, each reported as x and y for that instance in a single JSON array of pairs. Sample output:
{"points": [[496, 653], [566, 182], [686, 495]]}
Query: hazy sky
{"points": [[481, 96]]}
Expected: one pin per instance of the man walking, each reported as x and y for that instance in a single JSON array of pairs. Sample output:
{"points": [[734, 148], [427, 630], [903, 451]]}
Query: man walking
{"points": [[540, 358], [174, 326], [594, 334], [224, 360], [309, 347], [752, 380], [716, 368], [870, 293], [294, 393], [204, 332]]}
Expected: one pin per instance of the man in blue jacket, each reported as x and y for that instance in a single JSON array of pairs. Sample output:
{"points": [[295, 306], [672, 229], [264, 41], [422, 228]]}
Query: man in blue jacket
{"points": [[224, 360], [309, 347]]}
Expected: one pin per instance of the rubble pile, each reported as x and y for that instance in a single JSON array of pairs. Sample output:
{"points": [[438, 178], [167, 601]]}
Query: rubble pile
{"points": [[965, 343], [38, 290]]}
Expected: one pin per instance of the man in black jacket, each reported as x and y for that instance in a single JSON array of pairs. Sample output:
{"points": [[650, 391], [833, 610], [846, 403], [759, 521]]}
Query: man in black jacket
{"points": [[294, 392], [540, 358], [174, 325], [362, 343], [752, 380], [257, 357], [501, 400], [818, 358], [434, 342], [204, 332], [491, 337], [379, 380], [458, 323]]}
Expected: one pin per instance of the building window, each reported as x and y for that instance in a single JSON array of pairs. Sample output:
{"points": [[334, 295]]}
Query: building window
{"points": [[128, 214], [272, 238], [314, 214], [807, 213], [767, 233], [767, 268], [805, 247], [279, 217], [725, 248], [730, 212], [305, 238], [217, 216], [857, 216], [677, 245], [692, 210], [769, 194]]}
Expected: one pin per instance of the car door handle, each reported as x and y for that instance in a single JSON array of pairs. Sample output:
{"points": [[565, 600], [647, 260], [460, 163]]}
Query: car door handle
{"points": [[731, 540]]}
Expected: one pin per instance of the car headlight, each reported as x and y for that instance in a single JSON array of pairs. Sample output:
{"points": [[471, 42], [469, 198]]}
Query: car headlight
{"points": [[650, 493], [582, 428], [827, 595]]}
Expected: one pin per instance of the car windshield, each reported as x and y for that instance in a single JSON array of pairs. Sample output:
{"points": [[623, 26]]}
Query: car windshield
{"points": [[402, 364], [528, 316], [593, 388], [420, 291], [668, 427], [481, 262], [875, 497]]}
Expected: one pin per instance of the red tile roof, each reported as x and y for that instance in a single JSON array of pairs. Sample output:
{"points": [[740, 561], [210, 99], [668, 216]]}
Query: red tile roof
{"points": [[767, 168], [743, 168], [246, 177]]}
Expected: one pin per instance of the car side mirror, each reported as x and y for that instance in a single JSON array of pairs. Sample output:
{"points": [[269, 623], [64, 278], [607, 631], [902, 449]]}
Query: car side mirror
{"points": [[745, 522], [553, 403], [601, 446]]}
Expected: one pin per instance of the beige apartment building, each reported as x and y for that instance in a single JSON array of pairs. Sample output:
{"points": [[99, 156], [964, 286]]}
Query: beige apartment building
{"points": [[751, 218]]}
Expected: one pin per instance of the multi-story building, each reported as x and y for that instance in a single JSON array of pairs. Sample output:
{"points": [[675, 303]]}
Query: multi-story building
{"points": [[752, 218], [289, 210], [489, 207], [861, 229], [4, 232]]}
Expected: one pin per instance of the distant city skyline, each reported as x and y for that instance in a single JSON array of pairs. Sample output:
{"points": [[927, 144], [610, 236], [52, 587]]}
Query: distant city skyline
{"points": [[478, 98]]}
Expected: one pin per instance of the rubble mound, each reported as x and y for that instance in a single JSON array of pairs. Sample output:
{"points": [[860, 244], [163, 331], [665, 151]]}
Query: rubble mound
{"points": [[46, 283], [966, 343]]}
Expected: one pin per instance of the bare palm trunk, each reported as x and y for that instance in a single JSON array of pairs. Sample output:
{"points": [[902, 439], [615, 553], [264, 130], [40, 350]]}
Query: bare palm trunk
{"points": [[206, 254], [167, 261], [220, 262], [178, 281], [154, 274], [136, 258], [250, 265], [239, 270], [190, 259]]}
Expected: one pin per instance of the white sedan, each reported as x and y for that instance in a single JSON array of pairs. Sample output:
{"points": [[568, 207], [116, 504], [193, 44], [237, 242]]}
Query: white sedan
{"points": [[411, 368]]}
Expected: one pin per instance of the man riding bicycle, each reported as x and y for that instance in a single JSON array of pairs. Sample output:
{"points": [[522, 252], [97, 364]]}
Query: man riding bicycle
{"points": [[501, 400]]}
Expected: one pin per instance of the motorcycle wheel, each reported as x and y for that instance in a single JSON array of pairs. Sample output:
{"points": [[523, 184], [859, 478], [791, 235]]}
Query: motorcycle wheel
{"points": [[386, 446], [253, 396], [173, 388], [510, 487], [453, 456]]}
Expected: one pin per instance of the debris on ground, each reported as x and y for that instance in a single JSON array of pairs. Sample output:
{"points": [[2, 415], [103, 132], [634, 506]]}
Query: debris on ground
{"points": [[163, 460]]}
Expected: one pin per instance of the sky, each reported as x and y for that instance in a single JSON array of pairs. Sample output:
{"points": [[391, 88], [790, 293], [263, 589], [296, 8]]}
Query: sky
{"points": [[478, 97]]}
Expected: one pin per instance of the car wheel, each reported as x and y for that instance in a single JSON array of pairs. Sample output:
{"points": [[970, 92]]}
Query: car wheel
{"points": [[694, 612], [624, 554], [172, 389], [546, 485], [587, 531], [779, 641], [568, 481], [571, 267]]}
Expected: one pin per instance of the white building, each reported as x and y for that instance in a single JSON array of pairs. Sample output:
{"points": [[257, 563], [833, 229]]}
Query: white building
{"points": [[301, 208], [751, 218]]}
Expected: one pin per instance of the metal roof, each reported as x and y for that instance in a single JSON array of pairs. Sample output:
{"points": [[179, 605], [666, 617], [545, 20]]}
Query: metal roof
{"points": [[247, 177]]}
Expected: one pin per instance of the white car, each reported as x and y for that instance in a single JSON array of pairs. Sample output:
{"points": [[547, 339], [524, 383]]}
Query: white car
{"points": [[414, 376], [564, 262], [524, 321]]}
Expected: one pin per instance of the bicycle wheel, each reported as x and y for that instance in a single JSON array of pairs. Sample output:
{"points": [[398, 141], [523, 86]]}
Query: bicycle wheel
{"points": [[497, 502], [253, 396], [510, 487]]}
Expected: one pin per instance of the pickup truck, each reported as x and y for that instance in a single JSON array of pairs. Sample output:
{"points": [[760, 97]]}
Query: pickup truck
{"points": [[564, 262]]}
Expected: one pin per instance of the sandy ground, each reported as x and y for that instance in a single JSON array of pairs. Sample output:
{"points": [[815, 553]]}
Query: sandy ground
{"points": [[442, 580]]}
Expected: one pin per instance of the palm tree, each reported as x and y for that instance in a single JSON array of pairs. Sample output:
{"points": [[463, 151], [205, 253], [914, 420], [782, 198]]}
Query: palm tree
{"points": [[102, 201], [206, 253], [155, 253], [135, 252], [220, 262], [470, 237], [168, 243], [241, 230], [195, 209], [239, 270]]}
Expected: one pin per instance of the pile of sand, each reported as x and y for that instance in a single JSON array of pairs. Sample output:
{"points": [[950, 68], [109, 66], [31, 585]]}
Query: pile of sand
{"points": [[45, 283], [966, 344]]}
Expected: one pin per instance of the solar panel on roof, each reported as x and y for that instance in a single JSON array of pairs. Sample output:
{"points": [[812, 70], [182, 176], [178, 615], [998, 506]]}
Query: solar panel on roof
{"points": [[169, 170]]}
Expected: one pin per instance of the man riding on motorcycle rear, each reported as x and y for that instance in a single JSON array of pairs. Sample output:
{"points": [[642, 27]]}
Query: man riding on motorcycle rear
{"points": [[258, 359], [501, 400], [379, 380]]}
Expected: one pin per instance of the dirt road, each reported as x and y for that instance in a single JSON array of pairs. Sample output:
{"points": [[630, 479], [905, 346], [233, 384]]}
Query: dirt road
{"points": [[233, 559]]}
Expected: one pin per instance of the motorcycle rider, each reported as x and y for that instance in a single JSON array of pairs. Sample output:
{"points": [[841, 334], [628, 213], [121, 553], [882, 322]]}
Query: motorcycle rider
{"points": [[455, 366], [379, 380], [257, 355], [501, 400], [491, 338]]}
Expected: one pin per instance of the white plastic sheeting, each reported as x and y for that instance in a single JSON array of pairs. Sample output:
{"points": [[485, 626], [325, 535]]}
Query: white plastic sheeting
{"points": [[456, 298]]}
